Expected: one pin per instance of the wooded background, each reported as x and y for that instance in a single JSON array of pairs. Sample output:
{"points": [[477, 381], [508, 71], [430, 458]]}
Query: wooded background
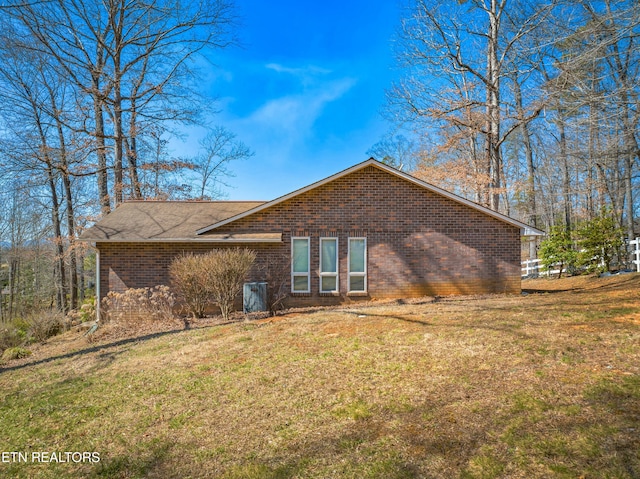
{"points": [[529, 108]]}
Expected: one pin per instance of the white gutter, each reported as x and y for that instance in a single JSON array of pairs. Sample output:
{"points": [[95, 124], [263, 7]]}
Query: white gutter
{"points": [[97, 284]]}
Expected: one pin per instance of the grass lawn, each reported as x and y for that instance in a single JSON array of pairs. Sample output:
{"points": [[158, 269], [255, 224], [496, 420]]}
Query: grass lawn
{"points": [[534, 386]]}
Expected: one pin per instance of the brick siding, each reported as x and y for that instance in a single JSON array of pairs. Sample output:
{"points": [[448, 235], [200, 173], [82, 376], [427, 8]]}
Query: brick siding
{"points": [[418, 242]]}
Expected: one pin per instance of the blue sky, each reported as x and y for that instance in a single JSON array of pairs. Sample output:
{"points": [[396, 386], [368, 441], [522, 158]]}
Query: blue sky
{"points": [[305, 90]]}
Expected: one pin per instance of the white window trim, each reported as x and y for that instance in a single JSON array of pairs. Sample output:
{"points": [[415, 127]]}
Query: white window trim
{"points": [[329, 274], [298, 274], [360, 274]]}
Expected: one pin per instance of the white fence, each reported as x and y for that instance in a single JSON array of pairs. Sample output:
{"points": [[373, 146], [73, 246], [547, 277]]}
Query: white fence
{"points": [[636, 253], [534, 267]]}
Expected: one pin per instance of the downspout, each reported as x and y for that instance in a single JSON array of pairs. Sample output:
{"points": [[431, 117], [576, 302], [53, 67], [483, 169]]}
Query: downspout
{"points": [[97, 284]]}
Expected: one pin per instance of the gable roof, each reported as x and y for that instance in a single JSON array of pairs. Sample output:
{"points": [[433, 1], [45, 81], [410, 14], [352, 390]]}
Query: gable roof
{"points": [[525, 229], [157, 221], [182, 221]]}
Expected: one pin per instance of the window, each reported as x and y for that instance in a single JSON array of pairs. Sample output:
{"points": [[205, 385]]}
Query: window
{"points": [[300, 265], [328, 265], [357, 265]]}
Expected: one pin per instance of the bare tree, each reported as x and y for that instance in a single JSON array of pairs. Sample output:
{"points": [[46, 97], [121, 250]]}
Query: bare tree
{"points": [[27, 254], [397, 150], [595, 98], [218, 148], [616, 28], [469, 49], [85, 85], [31, 150], [126, 59], [149, 53], [72, 35]]}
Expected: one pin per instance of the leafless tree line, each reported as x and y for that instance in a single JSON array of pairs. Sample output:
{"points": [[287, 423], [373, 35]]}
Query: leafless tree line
{"points": [[529, 108], [90, 94]]}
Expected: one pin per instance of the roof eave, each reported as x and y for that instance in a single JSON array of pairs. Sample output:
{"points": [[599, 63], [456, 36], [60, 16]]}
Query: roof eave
{"points": [[531, 231], [182, 240]]}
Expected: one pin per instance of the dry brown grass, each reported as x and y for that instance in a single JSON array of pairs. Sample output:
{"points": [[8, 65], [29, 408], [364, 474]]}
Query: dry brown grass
{"points": [[542, 385]]}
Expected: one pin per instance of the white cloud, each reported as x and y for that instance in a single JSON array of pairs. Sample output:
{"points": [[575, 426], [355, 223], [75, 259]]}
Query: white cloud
{"points": [[284, 132], [298, 112], [299, 72], [281, 127]]}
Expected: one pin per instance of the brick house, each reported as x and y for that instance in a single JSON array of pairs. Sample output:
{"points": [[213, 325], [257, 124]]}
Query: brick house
{"points": [[370, 231]]}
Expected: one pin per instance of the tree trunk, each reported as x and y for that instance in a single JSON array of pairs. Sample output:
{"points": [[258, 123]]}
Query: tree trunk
{"points": [[592, 191], [118, 187], [532, 216], [631, 148], [81, 281], [14, 280], [494, 160], [59, 265], [132, 154], [63, 168], [628, 187], [132, 146], [61, 297], [59, 268], [71, 231], [564, 163], [116, 19], [101, 152]]}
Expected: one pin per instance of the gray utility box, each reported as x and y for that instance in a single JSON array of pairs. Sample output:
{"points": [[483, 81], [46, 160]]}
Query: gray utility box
{"points": [[254, 297]]}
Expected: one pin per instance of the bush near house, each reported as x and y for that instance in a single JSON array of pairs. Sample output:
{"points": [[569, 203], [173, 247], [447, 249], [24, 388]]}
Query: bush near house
{"points": [[214, 278], [225, 272], [86, 312], [138, 304], [276, 272], [188, 282]]}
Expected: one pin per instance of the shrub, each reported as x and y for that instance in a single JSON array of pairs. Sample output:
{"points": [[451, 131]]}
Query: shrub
{"points": [[10, 336], [137, 304], [277, 272], [188, 280], [21, 327], [557, 248], [87, 312], [225, 272], [599, 239], [15, 353], [212, 278], [36, 326], [45, 324]]}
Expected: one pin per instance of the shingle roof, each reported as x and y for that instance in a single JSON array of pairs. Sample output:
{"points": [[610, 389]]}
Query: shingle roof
{"points": [[165, 220], [176, 221]]}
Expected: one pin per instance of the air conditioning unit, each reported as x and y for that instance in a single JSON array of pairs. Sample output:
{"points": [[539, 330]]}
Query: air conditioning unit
{"points": [[254, 297]]}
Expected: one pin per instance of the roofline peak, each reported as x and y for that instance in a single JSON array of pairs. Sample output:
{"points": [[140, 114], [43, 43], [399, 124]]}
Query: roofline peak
{"points": [[392, 170]]}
